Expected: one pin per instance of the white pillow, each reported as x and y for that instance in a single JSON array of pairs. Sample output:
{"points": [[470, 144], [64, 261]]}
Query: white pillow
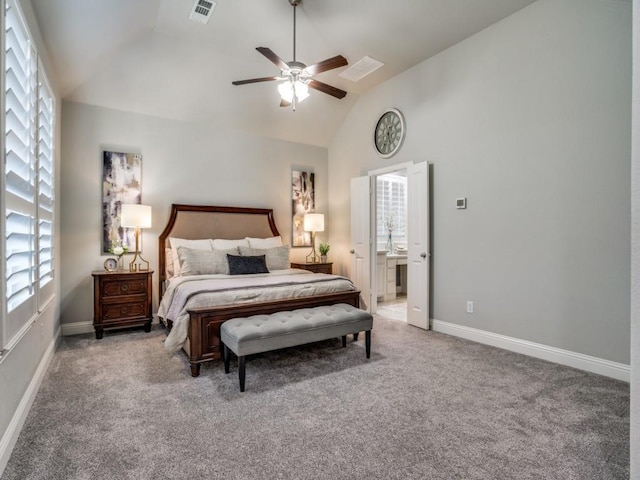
{"points": [[264, 243], [204, 244], [202, 262], [277, 258], [222, 244], [168, 261]]}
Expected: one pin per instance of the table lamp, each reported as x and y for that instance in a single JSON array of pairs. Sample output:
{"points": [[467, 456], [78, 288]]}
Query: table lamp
{"points": [[136, 216], [313, 222]]}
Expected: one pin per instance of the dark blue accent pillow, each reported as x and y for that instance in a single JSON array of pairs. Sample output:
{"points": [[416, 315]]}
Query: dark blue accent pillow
{"points": [[244, 265]]}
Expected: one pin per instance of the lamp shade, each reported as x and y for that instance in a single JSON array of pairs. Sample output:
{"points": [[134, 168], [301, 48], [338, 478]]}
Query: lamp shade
{"points": [[133, 215], [314, 222]]}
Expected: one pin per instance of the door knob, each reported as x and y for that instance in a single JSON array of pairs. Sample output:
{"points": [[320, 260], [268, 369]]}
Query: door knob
{"points": [[423, 255], [352, 251]]}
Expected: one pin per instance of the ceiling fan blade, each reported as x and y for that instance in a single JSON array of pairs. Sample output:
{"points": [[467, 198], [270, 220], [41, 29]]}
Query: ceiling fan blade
{"points": [[328, 89], [255, 80], [328, 64], [267, 52], [284, 103]]}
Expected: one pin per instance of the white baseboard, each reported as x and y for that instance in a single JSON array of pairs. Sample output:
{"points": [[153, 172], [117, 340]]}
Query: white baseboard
{"points": [[78, 328], [10, 437], [619, 371]]}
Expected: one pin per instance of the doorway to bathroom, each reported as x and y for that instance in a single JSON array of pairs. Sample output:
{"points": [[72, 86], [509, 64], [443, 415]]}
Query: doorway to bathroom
{"points": [[378, 246], [390, 216]]}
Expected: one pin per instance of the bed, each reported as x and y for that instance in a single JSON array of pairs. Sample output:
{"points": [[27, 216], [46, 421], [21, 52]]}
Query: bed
{"points": [[193, 307]]}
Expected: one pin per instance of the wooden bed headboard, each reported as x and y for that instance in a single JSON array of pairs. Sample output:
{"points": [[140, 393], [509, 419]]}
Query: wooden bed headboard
{"points": [[205, 221]]}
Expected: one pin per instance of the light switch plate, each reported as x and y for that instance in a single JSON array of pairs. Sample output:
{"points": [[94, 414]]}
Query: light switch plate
{"points": [[461, 203]]}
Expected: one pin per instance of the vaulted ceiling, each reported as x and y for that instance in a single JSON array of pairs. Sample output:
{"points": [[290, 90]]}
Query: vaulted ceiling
{"points": [[147, 57]]}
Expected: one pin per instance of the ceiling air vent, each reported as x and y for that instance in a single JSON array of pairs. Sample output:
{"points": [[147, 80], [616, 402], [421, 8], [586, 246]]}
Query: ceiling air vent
{"points": [[201, 11], [361, 69]]}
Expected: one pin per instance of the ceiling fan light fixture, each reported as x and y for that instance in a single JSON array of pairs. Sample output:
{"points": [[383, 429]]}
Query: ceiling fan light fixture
{"points": [[296, 77], [301, 90], [288, 89]]}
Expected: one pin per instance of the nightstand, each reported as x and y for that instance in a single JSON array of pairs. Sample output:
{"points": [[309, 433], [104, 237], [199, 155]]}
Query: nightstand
{"points": [[121, 299], [315, 267]]}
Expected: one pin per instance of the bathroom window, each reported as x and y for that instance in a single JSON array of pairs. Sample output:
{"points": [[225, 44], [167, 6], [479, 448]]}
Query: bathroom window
{"points": [[391, 200]]}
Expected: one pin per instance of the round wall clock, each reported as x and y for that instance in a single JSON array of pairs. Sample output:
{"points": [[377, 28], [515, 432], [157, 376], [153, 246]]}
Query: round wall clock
{"points": [[389, 133]]}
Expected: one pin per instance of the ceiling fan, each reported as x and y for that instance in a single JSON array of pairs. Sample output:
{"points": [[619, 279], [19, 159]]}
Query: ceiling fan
{"points": [[295, 76]]}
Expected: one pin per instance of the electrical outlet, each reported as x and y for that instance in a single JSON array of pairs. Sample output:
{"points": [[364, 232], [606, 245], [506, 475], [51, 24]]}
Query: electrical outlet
{"points": [[469, 306]]}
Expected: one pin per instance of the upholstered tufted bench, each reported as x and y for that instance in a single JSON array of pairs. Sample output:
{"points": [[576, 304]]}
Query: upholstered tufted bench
{"points": [[262, 333]]}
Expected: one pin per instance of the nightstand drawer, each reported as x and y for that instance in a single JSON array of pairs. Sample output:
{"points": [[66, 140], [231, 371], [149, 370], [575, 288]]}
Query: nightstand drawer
{"points": [[117, 288], [122, 311], [323, 268]]}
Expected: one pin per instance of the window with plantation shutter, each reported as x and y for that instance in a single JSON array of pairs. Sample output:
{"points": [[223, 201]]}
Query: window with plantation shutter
{"points": [[391, 207], [28, 196]]}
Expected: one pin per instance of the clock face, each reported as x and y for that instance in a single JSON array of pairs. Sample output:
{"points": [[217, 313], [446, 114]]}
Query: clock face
{"points": [[111, 264], [389, 133]]}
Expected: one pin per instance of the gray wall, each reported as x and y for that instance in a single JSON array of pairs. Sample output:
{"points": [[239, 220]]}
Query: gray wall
{"points": [[530, 120], [635, 251], [181, 163]]}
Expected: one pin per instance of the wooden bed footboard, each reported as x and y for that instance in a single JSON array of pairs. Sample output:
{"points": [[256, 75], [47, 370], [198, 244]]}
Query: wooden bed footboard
{"points": [[205, 322]]}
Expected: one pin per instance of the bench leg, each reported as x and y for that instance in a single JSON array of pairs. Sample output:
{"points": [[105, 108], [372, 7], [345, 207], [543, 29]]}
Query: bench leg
{"points": [[241, 372], [367, 343], [344, 341], [225, 357], [355, 336]]}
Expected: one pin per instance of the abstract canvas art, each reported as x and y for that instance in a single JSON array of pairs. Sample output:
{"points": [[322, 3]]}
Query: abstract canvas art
{"points": [[303, 201], [121, 183]]}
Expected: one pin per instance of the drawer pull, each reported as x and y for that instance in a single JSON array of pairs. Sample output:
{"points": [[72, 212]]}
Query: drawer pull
{"points": [[124, 287]]}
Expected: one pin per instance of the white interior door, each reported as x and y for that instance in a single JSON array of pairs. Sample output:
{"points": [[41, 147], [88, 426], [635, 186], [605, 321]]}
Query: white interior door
{"points": [[361, 238], [418, 256]]}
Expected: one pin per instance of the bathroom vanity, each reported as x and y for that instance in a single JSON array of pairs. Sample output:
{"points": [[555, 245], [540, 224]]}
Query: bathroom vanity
{"points": [[391, 275]]}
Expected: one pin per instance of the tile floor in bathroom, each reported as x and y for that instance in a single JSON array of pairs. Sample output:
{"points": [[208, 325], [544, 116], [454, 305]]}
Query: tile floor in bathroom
{"points": [[394, 309]]}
